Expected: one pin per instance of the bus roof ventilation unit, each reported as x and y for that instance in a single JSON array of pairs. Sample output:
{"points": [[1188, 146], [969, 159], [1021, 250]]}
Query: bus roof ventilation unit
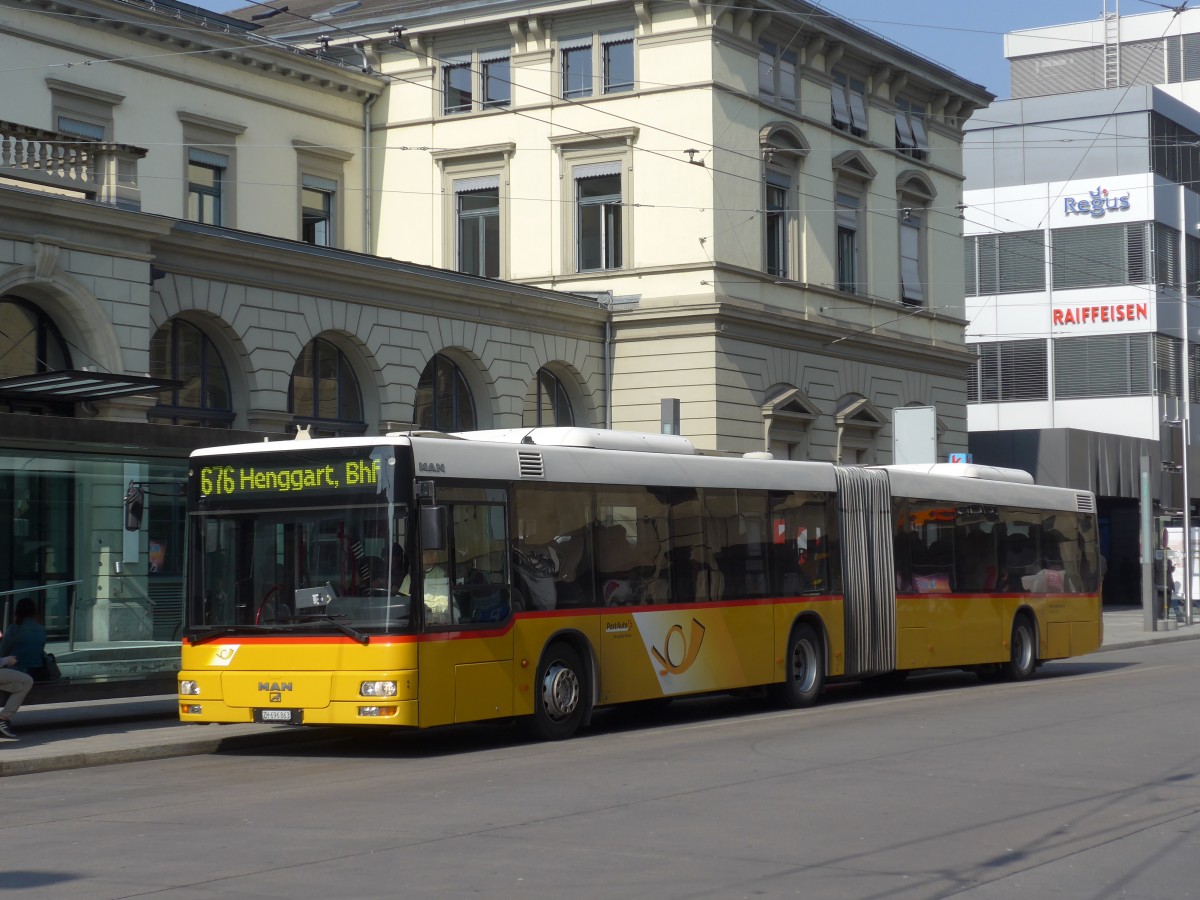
{"points": [[529, 463], [967, 470], [589, 438]]}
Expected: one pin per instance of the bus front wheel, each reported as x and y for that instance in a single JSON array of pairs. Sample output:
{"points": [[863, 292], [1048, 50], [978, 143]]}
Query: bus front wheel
{"points": [[804, 678], [561, 698]]}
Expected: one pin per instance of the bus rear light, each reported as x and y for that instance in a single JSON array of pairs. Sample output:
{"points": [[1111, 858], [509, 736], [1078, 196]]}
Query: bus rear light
{"points": [[377, 689], [189, 688], [376, 711]]}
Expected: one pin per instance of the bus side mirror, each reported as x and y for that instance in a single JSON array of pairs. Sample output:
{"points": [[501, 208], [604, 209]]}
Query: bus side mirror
{"points": [[135, 503], [433, 527]]}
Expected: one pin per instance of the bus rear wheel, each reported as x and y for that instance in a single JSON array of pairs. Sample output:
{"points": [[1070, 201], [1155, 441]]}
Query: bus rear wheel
{"points": [[1022, 659], [561, 696], [804, 678]]}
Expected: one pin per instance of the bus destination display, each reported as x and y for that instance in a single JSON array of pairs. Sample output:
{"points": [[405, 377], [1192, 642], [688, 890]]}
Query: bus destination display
{"points": [[247, 479]]}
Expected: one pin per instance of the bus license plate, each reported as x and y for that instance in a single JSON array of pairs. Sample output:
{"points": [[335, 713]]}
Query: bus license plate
{"points": [[278, 716]]}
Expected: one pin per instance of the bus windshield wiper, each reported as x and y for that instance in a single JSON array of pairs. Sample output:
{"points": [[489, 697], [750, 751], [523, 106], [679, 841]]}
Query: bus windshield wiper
{"points": [[223, 630], [361, 636]]}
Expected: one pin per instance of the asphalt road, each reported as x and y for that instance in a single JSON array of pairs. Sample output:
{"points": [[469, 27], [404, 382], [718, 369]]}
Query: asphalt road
{"points": [[1083, 783]]}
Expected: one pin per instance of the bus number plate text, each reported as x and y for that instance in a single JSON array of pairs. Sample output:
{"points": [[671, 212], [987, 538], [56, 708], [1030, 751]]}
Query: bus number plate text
{"points": [[278, 716]]}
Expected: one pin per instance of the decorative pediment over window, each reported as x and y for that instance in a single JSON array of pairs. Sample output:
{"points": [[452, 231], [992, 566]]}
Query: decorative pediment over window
{"points": [[859, 413], [789, 416], [917, 185], [853, 164], [783, 141]]}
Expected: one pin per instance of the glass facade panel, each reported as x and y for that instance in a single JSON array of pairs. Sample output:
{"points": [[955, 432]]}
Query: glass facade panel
{"points": [[98, 587]]}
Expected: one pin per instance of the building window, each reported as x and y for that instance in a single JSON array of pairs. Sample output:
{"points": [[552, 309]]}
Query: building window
{"points": [[576, 61], [206, 180], [477, 202], [1168, 365], [316, 211], [457, 76], [30, 342], [1103, 365], [912, 237], [849, 104], [911, 136], [547, 404], [495, 73], [324, 390], [617, 61], [1009, 370], [777, 74], [82, 112], [777, 216], [1099, 255], [181, 351], [1010, 263], [598, 217], [444, 400], [849, 267]]}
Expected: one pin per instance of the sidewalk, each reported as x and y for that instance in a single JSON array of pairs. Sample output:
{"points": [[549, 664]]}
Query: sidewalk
{"points": [[58, 736]]}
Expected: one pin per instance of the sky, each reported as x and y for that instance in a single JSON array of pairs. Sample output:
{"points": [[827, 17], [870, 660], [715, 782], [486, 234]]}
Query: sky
{"points": [[965, 36]]}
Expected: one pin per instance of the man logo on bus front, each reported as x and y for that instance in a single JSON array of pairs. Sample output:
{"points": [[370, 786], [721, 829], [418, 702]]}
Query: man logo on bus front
{"points": [[678, 652]]}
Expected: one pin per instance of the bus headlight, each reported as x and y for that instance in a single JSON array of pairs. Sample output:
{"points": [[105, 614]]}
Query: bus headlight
{"points": [[377, 689], [192, 709], [189, 688]]}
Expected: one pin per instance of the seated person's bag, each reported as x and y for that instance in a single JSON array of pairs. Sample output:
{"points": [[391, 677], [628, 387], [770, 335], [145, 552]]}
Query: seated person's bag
{"points": [[48, 670]]}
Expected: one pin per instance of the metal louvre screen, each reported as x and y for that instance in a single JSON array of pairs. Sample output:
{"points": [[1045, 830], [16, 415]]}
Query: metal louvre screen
{"points": [[868, 570], [1143, 62], [1098, 255], [1166, 255], [1010, 263], [1058, 73], [1009, 370], [1102, 365], [1168, 365]]}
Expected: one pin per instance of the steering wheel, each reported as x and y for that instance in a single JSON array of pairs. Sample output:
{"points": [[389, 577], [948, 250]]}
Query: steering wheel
{"points": [[272, 591]]}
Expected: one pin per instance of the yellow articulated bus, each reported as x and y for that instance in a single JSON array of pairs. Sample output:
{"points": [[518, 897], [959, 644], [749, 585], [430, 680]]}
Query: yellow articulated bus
{"points": [[424, 579]]}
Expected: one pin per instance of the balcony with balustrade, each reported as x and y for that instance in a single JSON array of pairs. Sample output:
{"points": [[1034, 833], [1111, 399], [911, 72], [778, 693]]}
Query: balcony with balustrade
{"points": [[73, 166]]}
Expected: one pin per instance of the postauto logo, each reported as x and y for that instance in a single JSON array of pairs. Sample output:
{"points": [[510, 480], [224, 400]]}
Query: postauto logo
{"points": [[678, 651]]}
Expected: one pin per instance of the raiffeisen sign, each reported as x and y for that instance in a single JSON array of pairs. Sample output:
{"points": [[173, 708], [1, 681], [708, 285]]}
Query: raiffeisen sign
{"points": [[1097, 203]]}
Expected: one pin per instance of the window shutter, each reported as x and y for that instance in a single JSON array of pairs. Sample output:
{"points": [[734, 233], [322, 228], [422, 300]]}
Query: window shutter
{"points": [[597, 170], [910, 259], [841, 112], [482, 183], [858, 109], [208, 158]]}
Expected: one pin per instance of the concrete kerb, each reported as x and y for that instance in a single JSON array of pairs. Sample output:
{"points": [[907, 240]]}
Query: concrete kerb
{"points": [[23, 758]]}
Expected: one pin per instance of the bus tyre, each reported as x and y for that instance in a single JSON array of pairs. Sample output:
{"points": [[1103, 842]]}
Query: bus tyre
{"points": [[804, 676], [1022, 660], [560, 694]]}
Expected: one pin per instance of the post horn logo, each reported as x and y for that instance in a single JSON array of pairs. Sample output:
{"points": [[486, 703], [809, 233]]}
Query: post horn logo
{"points": [[679, 652]]}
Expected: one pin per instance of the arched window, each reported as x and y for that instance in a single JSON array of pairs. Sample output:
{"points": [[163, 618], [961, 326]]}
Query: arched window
{"points": [[324, 390], [181, 351], [29, 340], [30, 344], [443, 398], [547, 403]]}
